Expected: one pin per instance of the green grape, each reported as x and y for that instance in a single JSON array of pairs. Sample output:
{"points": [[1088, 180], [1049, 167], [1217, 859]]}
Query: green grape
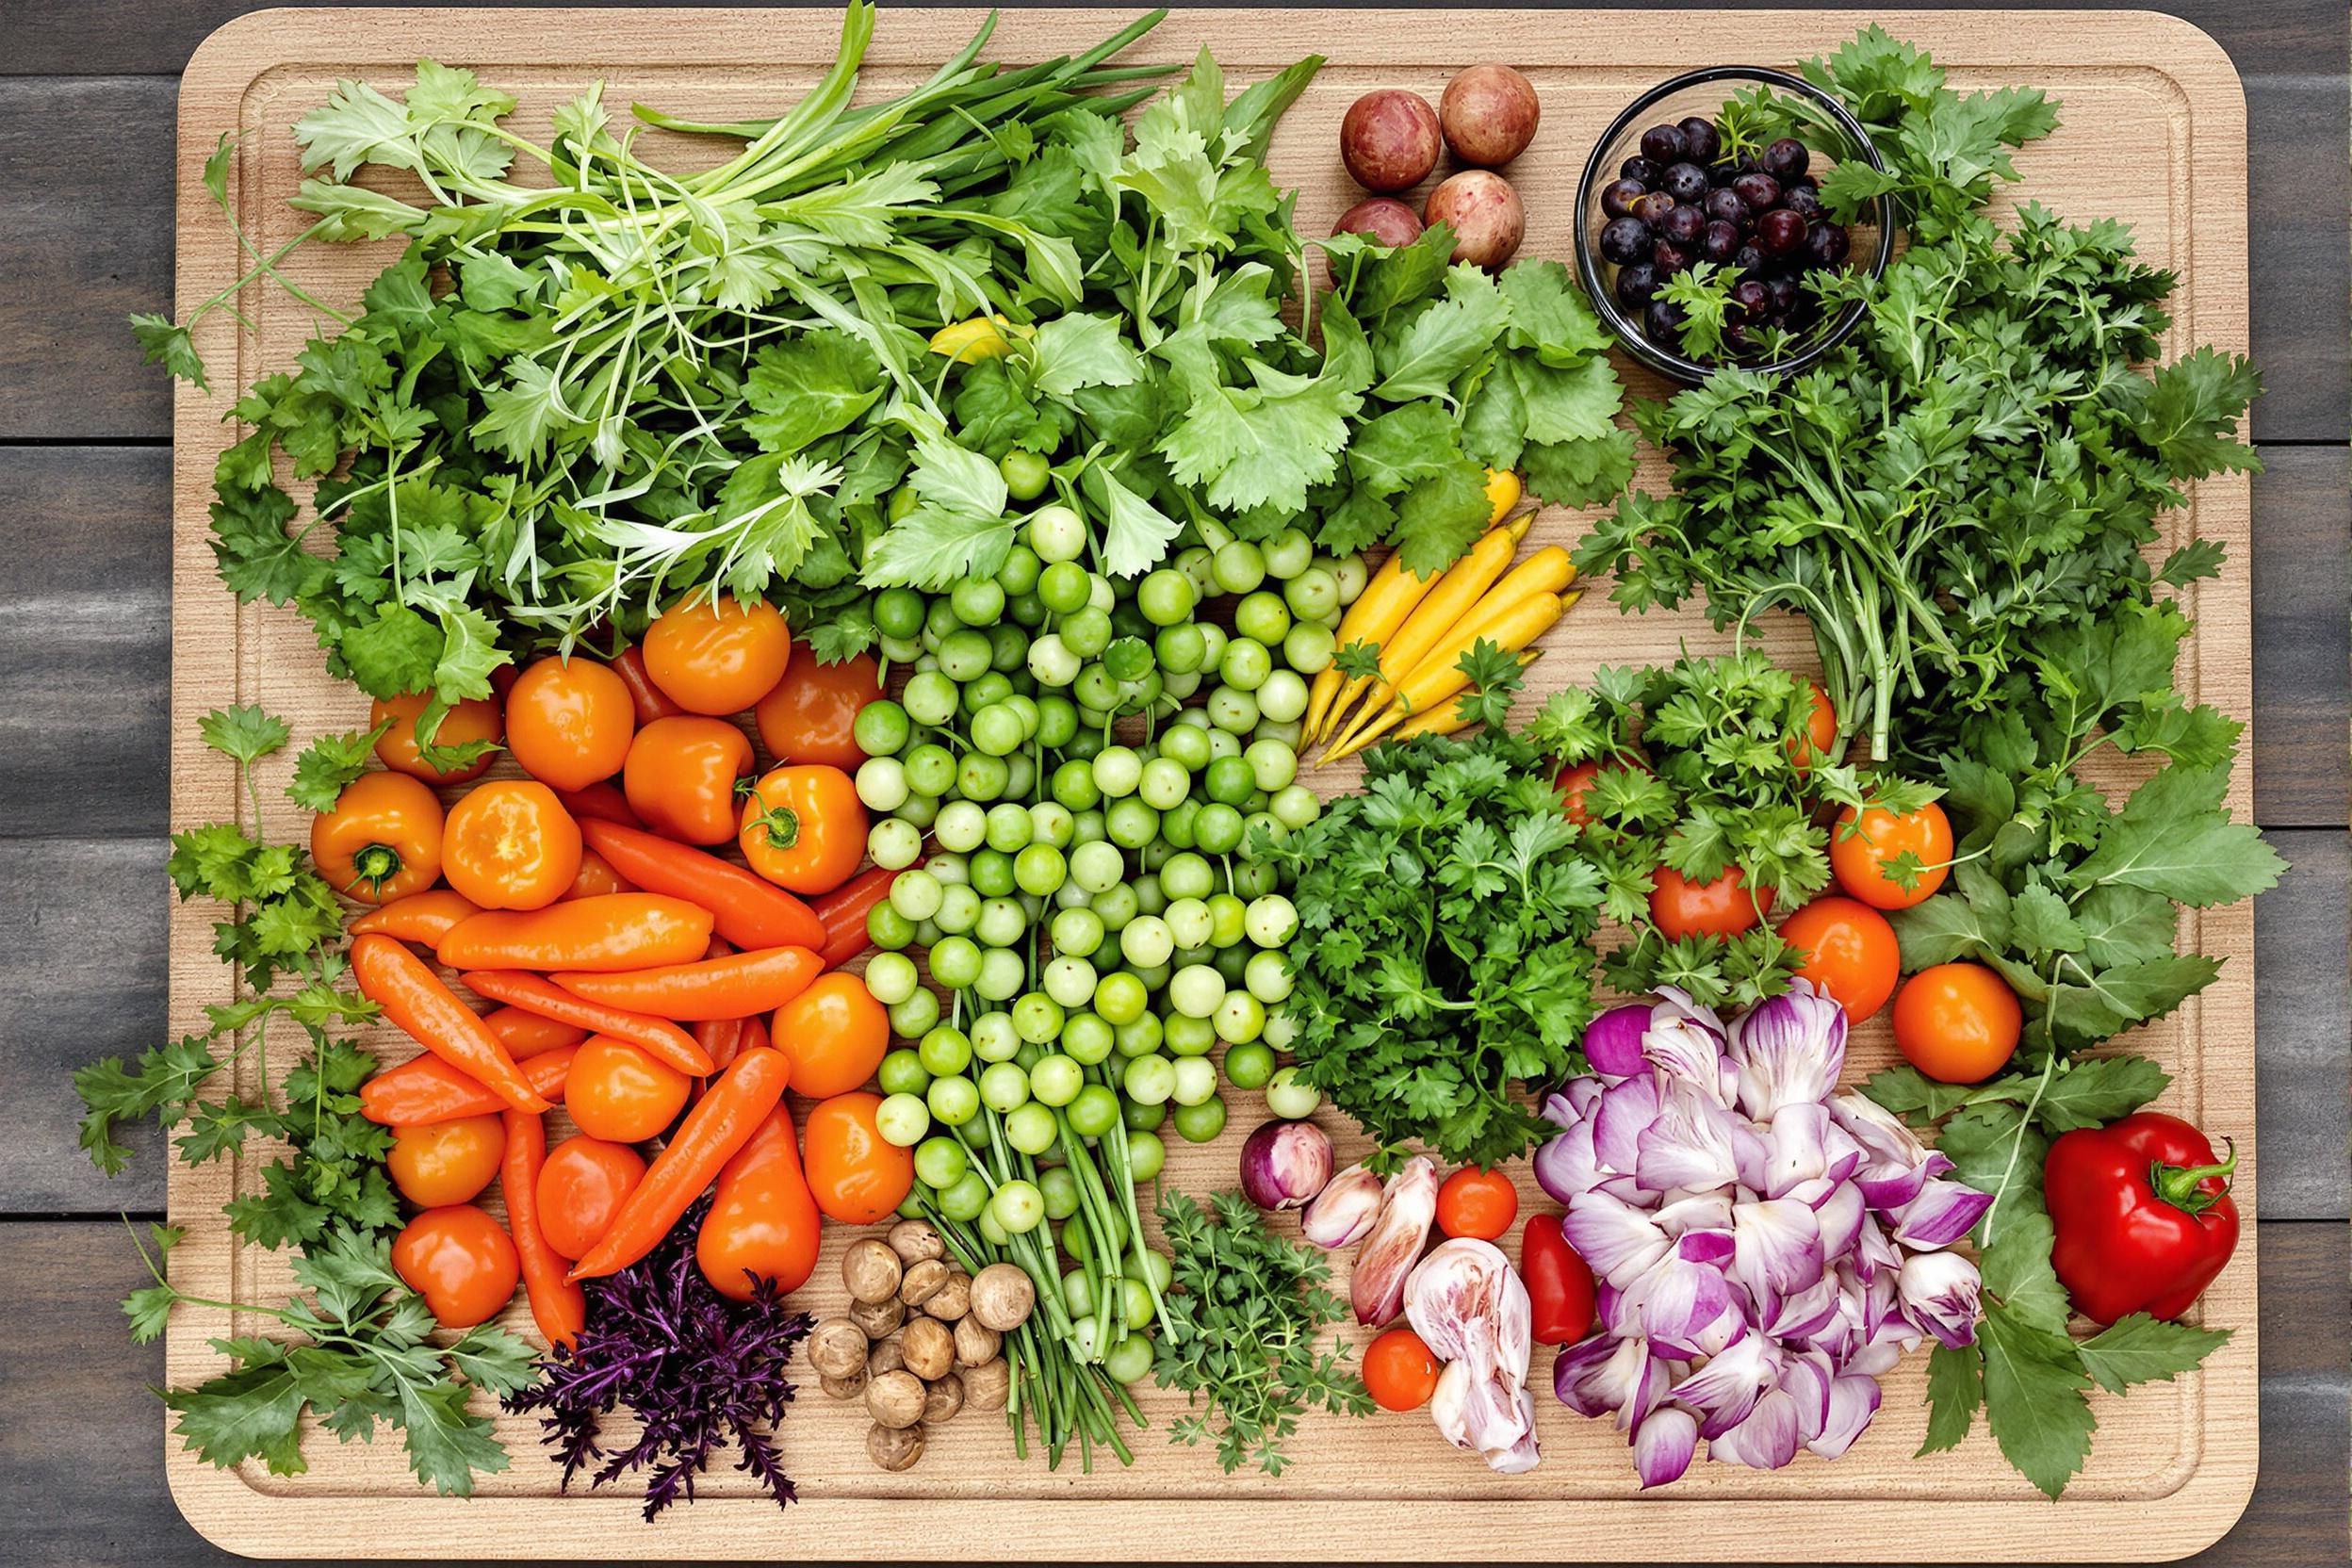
{"points": [[1004, 1087], [941, 1162], [1250, 1065], [888, 929], [1031, 1127], [1200, 1123], [902, 1119], [954, 1101], [1288, 553], [1060, 1191], [891, 978], [964, 1199], [914, 1016]]}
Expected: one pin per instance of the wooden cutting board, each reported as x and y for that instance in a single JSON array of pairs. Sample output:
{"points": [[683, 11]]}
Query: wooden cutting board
{"points": [[2155, 134]]}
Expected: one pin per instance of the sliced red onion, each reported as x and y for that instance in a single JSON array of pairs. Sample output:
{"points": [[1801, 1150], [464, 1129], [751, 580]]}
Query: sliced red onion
{"points": [[1612, 1042], [1940, 1292], [1344, 1210], [1662, 1445], [1762, 1250], [1787, 1051], [1616, 1240], [1285, 1163], [1941, 1213], [1764, 1439]]}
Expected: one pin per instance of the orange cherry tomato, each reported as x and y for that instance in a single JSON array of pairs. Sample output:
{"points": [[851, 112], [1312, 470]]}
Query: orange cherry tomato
{"points": [[1719, 908], [1480, 1204], [475, 719], [763, 1221], [1860, 847], [717, 659], [568, 722], [384, 839], [1821, 730], [581, 1186], [617, 1092], [461, 1261], [810, 714], [680, 778], [1849, 951], [804, 828], [835, 1034], [449, 1162], [856, 1175], [1573, 780], [1957, 1024], [595, 878], [1399, 1370], [512, 846]]}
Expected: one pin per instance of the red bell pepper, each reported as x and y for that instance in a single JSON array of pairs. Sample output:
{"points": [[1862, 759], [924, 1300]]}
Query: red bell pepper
{"points": [[1559, 1284], [2142, 1215]]}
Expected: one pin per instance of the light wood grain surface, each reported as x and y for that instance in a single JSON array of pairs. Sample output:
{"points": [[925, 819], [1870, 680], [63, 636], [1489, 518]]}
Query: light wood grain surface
{"points": [[2173, 1466]]}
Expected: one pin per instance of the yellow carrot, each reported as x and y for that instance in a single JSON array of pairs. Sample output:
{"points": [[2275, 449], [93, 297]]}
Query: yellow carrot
{"points": [[1503, 490], [1445, 601], [1547, 571], [1512, 629], [1373, 619], [1448, 719]]}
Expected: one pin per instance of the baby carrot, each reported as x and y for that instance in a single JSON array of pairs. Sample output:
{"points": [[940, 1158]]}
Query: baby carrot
{"points": [[535, 993], [412, 997]]}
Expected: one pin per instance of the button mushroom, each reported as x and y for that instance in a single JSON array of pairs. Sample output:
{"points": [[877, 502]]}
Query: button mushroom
{"points": [[1001, 1296], [987, 1385], [952, 1300], [923, 1281], [915, 1242], [942, 1399], [872, 1271], [976, 1342], [837, 1349], [894, 1398], [929, 1348], [894, 1448], [879, 1320]]}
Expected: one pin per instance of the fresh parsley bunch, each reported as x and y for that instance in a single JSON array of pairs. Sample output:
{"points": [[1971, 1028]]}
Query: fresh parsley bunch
{"points": [[367, 1355], [1250, 1305], [1444, 957]]}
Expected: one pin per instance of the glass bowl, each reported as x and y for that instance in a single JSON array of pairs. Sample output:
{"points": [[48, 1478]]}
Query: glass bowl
{"points": [[1830, 134]]}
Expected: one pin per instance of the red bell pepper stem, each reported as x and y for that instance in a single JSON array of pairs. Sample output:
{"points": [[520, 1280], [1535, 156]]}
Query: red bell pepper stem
{"points": [[2180, 1186]]}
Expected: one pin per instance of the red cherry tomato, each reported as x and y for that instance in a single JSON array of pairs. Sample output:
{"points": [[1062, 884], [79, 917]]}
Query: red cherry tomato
{"points": [[1849, 952], [1820, 734], [1399, 1370], [1480, 1204], [1719, 908], [461, 1261]]}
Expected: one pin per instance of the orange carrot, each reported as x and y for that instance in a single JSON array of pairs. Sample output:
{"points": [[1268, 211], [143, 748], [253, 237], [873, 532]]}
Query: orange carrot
{"points": [[736, 986], [412, 997], [709, 1136], [559, 1306], [427, 1090], [751, 912], [527, 1035], [609, 932], [535, 993], [425, 917]]}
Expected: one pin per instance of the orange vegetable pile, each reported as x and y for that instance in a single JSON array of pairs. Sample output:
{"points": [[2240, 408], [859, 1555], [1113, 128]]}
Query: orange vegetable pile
{"points": [[653, 920]]}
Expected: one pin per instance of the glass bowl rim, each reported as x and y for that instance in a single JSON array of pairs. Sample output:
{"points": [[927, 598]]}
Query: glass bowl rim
{"points": [[1674, 363]]}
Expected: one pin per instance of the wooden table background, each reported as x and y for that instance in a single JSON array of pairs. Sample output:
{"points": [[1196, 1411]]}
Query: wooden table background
{"points": [[86, 102]]}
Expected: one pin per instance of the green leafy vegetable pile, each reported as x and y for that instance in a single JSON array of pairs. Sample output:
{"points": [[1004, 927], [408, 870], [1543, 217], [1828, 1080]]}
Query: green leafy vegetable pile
{"points": [[1977, 469], [1444, 960], [590, 385], [1250, 1305]]}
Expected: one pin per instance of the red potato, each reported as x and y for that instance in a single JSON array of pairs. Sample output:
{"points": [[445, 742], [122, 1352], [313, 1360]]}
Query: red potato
{"points": [[1489, 114], [1390, 140], [1484, 213], [1380, 217]]}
